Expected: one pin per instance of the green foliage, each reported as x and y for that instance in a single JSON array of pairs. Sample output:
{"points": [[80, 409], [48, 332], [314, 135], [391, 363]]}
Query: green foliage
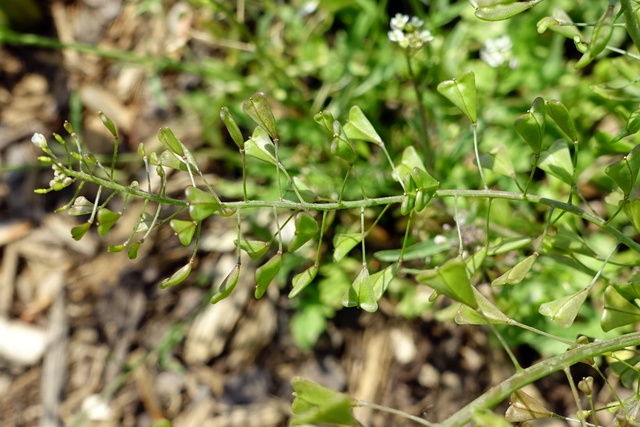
{"points": [[569, 258]]}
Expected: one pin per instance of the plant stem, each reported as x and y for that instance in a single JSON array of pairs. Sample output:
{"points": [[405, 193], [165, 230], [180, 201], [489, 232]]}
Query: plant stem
{"points": [[631, 22], [379, 201], [395, 412], [518, 380], [427, 146]]}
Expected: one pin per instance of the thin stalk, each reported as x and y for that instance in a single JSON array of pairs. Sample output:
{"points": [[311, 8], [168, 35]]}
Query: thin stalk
{"points": [[427, 146], [498, 393], [474, 128], [631, 22], [395, 412]]}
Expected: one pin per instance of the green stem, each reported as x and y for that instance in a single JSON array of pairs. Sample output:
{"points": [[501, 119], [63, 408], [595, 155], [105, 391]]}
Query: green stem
{"points": [[631, 22], [427, 146], [379, 201], [498, 393]]}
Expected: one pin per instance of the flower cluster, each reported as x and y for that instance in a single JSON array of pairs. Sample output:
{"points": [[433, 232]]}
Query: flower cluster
{"points": [[406, 32], [497, 52], [60, 178]]}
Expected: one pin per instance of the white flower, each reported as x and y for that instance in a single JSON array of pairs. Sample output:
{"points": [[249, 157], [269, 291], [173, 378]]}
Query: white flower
{"points": [[39, 140], [416, 22], [497, 52], [399, 21], [405, 31]]}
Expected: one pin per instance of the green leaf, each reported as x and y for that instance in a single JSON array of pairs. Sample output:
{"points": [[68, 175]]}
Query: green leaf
{"points": [[523, 407], [530, 126], [302, 280], [566, 241], [340, 145], [381, 279], [420, 250], [501, 245], [486, 418], [361, 292], [326, 120], [516, 274], [132, 253], [560, 115], [81, 206], [201, 203], [564, 310], [266, 273], [255, 248], [260, 146], [498, 161], [627, 370], [359, 127], [451, 280], [171, 143], [108, 124], [314, 404], [462, 93], [178, 276], [617, 311], [501, 11], [624, 172], [557, 161], [227, 286], [306, 229], [602, 32], [184, 229], [106, 220], [486, 313], [232, 127], [79, 231], [343, 243], [257, 107], [632, 211]]}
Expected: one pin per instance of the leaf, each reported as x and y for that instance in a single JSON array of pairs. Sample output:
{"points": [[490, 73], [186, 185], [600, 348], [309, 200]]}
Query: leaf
{"points": [[177, 277], [232, 127], [627, 370], [227, 286], [184, 229], [361, 293], [462, 93], [314, 404], [420, 250], [171, 143], [201, 203], [498, 161], [81, 206], [560, 115], [632, 211], [564, 310], [624, 172], [255, 248], [343, 243], [617, 311], [557, 161], [359, 127], [79, 231], [492, 314], [266, 273], [340, 145], [509, 244], [302, 280], [530, 126], [523, 407], [380, 280], [516, 274], [260, 146], [501, 11], [568, 242], [257, 107], [132, 253], [306, 229], [451, 280], [106, 220]]}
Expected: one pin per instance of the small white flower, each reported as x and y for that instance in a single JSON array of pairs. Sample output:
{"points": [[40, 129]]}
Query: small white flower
{"points": [[416, 22], [39, 140], [396, 36], [497, 52], [399, 21]]}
